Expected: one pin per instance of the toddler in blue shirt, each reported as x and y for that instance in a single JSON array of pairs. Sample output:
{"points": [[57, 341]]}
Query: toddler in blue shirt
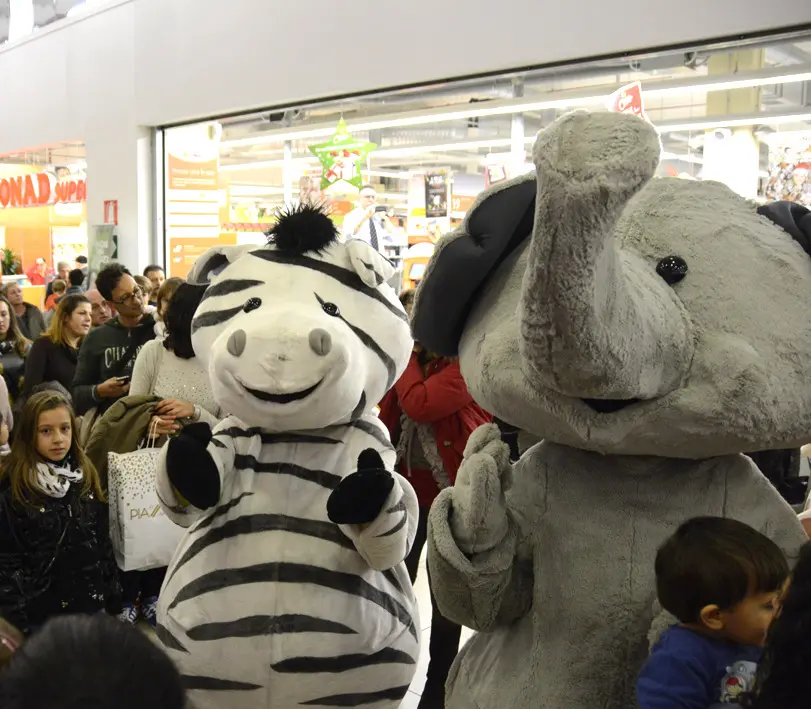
{"points": [[723, 581]]}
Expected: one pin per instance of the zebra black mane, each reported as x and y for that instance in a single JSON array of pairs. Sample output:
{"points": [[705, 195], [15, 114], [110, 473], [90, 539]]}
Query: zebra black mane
{"points": [[302, 228]]}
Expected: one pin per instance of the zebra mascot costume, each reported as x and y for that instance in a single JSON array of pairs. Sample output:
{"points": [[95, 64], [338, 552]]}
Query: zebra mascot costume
{"points": [[289, 589]]}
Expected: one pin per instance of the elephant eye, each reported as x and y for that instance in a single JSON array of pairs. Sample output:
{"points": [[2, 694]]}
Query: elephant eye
{"points": [[251, 304], [672, 269], [331, 309]]}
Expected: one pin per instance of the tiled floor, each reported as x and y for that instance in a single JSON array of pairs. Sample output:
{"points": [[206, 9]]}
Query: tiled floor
{"points": [[424, 599]]}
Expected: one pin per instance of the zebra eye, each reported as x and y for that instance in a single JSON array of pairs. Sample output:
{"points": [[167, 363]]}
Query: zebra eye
{"points": [[251, 304], [331, 309]]}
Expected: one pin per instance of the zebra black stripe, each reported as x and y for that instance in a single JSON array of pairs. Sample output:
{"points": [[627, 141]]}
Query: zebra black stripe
{"points": [[399, 507], [343, 663], [359, 698], [229, 286], [221, 510], [396, 528], [213, 265], [275, 438], [348, 278], [208, 521], [177, 509], [391, 577], [371, 343], [319, 477], [214, 684], [288, 572], [378, 278], [357, 412], [214, 317], [260, 625], [371, 430], [255, 524], [168, 639]]}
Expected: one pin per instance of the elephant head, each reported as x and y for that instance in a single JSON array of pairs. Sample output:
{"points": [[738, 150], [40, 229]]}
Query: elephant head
{"points": [[597, 307]]}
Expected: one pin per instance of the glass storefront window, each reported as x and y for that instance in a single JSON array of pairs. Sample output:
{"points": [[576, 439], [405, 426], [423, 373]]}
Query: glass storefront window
{"points": [[739, 114]]}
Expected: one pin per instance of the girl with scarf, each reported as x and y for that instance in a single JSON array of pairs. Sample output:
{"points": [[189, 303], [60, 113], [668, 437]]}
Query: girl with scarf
{"points": [[430, 415], [55, 552]]}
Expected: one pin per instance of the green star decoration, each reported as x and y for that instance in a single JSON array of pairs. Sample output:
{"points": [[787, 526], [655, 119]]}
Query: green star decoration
{"points": [[342, 158]]}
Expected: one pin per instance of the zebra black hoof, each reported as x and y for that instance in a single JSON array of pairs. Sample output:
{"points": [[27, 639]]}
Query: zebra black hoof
{"points": [[191, 469], [360, 497]]}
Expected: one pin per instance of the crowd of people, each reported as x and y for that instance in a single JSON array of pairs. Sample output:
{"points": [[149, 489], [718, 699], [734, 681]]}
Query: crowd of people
{"points": [[739, 635]]}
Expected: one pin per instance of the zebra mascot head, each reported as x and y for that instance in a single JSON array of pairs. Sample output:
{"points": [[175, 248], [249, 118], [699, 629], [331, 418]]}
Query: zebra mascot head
{"points": [[302, 333]]}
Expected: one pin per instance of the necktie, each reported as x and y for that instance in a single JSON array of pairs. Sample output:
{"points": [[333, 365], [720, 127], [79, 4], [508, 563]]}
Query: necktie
{"points": [[373, 234]]}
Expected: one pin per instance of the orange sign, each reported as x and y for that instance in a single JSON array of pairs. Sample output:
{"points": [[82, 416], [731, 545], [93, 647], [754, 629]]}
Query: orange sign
{"points": [[40, 190], [184, 251], [460, 204], [187, 175]]}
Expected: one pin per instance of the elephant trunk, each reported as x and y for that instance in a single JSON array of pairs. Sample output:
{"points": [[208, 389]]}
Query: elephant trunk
{"points": [[597, 322]]}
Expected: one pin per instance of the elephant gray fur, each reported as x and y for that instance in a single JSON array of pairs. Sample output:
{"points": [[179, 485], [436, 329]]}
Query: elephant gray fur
{"points": [[646, 394]]}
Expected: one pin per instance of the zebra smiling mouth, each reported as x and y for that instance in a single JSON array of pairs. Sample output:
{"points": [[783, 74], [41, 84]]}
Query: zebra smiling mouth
{"points": [[282, 398]]}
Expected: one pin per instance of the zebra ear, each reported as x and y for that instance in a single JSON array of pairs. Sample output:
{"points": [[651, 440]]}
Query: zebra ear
{"points": [[372, 267], [213, 261]]}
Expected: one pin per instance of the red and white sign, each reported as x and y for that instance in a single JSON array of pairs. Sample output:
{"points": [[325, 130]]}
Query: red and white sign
{"points": [[40, 190], [628, 99], [111, 211]]}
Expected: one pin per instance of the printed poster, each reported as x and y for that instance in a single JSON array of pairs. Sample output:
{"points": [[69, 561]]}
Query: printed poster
{"points": [[790, 170], [436, 194]]}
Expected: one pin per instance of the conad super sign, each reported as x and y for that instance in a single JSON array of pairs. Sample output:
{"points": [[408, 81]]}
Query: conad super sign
{"points": [[39, 190]]}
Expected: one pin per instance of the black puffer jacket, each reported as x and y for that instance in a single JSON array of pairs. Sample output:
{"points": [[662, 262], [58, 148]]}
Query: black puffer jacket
{"points": [[55, 558]]}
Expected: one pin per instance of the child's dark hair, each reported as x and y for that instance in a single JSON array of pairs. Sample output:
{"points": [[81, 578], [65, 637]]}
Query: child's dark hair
{"points": [[94, 661], [783, 680], [178, 317], [715, 561]]}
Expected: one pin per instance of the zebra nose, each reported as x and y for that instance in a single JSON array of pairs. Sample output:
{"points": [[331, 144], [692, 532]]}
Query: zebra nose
{"points": [[320, 342], [236, 342]]}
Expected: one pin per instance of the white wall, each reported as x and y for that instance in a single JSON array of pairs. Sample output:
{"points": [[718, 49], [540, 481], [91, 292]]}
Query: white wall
{"points": [[105, 76]]}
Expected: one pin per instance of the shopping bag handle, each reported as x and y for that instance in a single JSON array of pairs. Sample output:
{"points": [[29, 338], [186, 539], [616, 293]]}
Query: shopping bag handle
{"points": [[152, 433]]}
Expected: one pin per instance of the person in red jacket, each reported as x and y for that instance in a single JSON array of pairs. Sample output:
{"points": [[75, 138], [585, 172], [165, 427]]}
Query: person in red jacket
{"points": [[430, 415]]}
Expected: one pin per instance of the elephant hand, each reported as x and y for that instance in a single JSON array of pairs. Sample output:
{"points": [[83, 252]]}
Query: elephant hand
{"points": [[479, 518], [359, 497], [190, 467], [618, 152]]}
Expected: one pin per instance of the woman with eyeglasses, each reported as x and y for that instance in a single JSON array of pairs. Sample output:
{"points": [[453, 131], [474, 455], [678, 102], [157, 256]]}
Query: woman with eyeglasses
{"points": [[108, 353]]}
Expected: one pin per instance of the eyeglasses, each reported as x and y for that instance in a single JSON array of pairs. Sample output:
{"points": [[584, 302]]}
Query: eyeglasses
{"points": [[137, 294]]}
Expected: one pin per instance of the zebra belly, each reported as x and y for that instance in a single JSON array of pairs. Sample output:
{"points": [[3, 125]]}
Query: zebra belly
{"points": [[270, 605]]}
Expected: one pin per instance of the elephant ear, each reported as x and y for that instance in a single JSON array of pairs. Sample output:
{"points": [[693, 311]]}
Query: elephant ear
{"points": [[213, 261], [372, 267], [792, 217], [497, 224]]}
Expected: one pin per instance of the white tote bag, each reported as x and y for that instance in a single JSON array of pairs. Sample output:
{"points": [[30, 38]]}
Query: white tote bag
{"points": [[143, 536]]}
